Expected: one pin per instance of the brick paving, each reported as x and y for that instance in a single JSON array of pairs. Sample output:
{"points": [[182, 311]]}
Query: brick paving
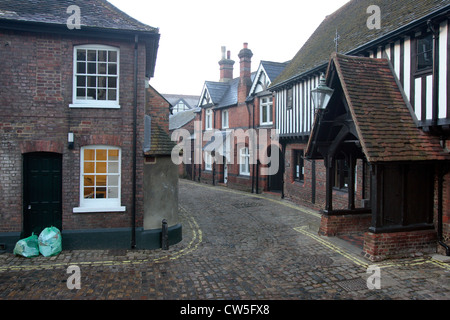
{"points": [[236, 246]]}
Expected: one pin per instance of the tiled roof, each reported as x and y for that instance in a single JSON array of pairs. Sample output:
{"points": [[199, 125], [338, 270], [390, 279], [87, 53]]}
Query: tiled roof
{"points": [[350, 21], [159, 142], [93, 13], [273, 69], [190, 100], [181, 118], [224, 94], [384, 122]]}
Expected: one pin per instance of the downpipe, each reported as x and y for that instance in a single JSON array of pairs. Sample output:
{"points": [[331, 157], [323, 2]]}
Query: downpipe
{"points": [[440, 210]]}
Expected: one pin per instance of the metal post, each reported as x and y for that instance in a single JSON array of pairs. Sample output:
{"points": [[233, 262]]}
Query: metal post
{"points": [[164, 235]]}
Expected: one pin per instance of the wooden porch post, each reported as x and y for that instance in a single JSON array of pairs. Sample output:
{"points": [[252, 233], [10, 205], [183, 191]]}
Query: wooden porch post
{"points": [[351, 186], [329, 163], [376, 196]]}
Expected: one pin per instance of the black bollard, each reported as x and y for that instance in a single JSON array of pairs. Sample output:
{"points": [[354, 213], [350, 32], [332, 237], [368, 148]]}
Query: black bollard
{"points": [[165, 235]]}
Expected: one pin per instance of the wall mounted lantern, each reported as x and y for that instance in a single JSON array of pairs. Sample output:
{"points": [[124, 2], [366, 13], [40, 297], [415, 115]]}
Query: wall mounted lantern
{"points": [[70, 140]]}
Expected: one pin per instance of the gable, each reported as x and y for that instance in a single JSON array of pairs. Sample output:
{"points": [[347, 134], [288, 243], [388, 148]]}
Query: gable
{"points": [[383, 122]]}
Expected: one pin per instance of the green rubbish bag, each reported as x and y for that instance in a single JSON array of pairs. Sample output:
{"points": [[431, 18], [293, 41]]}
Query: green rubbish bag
{"points": [[28, 247], [50, 242]]}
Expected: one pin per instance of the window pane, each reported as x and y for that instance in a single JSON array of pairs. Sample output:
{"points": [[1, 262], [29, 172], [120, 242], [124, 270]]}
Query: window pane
{"points": [[113, 155], [100, 167], [81, 67], [112, 94], [100, 193], [102, 68], [89, 167], [102, 55], [112, 82], [425, 53], [101, 94], [113, 193], [81, 55], [92, 82], [81, 81], [112, 56], [102, 82], [92, 94], [101, 154], [89, 181], [88, 193], [81, 93], [92, 68], [113, 167], [89, 154], [92, 55], [113, 181], [112, 69], [100, 181]]}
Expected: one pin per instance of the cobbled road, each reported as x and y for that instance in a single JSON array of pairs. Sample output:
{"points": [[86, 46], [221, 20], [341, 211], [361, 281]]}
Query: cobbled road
{"points": [[235, 246]]}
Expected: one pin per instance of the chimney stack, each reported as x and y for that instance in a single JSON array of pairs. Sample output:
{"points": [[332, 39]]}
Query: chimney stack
{"points": [[245, 82], [226, 66]]}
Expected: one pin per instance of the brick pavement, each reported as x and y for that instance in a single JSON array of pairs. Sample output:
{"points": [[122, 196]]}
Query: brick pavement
{"points": [[236, 246]]}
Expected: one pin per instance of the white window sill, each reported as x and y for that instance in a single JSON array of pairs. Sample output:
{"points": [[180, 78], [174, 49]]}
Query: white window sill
{"points": [[98, 105], [98, 209]]}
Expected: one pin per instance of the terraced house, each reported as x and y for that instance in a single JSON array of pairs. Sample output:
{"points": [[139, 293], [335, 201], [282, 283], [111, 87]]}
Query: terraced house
{"points": [[376, 158], [239, 113], [74, 97]]}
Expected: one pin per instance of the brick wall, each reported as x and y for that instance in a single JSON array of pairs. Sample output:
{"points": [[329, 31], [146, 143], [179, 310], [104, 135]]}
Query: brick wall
{"points": [[398, 244], [158, 108], [36, 90], [301, 192]]}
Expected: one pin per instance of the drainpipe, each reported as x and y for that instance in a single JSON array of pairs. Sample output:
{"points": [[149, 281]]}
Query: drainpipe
{"points": [[440, 210], [252, 126], [133, 205]]}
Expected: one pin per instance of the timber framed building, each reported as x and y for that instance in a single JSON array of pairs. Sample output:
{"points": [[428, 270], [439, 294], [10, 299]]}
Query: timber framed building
{"points": [[356, 160]]}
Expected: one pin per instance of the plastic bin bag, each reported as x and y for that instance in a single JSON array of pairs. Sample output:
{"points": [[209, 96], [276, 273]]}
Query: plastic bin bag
{"points": [[28, 247], [50, 242]]}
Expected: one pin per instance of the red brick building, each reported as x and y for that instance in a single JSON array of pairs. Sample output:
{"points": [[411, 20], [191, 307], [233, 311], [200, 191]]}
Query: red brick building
{"points": [[72, 107], [239, 113]]}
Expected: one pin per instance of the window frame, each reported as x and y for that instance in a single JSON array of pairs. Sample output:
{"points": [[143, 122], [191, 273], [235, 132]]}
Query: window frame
{"points": [[290, 98], [268, 106], [208, 119], [415, 54], [244, 159], [299, 173], [225, 124], [85, 103], [100, 204], [208, 161]]}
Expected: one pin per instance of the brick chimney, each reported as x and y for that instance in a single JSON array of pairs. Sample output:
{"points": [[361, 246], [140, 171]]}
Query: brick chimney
{"points": [[245, 82], [226, 67]]}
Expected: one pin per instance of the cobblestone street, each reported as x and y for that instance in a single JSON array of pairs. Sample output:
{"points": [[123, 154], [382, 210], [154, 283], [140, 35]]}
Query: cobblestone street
{"points": [[235, 246]]}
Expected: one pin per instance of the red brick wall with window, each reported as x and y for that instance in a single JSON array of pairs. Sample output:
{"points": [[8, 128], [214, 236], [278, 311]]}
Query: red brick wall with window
{"points": [[36, 76], [301, 191]]}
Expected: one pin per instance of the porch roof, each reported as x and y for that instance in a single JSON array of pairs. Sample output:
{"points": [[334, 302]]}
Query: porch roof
{"points": [[383, 118]]}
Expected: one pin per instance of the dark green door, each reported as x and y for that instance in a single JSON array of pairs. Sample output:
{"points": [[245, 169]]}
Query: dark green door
{"points": [[42, 192]]}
